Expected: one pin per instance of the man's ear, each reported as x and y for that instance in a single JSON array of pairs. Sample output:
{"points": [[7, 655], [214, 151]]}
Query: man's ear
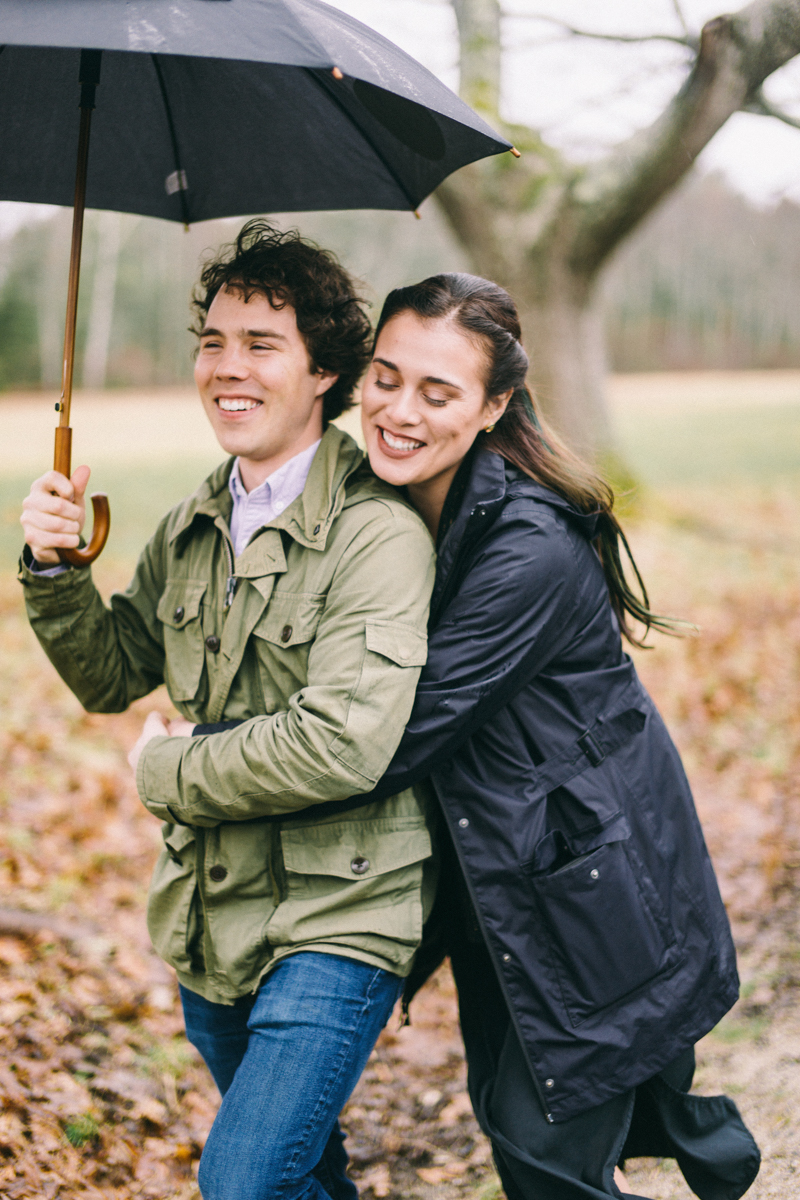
{"points": [[325, 381]]}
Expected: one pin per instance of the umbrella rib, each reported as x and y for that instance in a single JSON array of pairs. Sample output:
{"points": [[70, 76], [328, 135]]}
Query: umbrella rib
{"points": [[330, 92], [174, 139]]}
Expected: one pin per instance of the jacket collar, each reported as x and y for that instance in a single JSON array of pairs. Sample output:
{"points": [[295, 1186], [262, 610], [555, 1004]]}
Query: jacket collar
{"points": [[307, 519], [483, 485]]}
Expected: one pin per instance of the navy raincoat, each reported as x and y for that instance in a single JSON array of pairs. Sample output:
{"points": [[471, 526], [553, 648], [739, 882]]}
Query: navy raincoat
{"points": [[565, 798]]}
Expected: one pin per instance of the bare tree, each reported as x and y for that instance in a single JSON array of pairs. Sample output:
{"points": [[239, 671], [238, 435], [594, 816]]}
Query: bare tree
{"points": [[544, 227]]}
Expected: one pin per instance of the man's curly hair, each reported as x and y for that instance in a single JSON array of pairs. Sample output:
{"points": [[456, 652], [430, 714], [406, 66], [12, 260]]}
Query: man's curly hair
{"points": [[289, 269]]}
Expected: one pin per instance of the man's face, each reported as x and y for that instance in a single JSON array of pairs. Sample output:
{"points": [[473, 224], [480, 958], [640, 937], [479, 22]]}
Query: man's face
{"points": [[256, 384]]}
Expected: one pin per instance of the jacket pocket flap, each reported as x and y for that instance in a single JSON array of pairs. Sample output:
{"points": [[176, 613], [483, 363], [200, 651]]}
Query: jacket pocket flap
{"points": [[177, 839], [400, 643], [354, 849], [290, 620], [180, 602]]}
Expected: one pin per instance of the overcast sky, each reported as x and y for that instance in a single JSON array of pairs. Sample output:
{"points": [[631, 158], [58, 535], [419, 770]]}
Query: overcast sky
{"points": [[585, 95]]}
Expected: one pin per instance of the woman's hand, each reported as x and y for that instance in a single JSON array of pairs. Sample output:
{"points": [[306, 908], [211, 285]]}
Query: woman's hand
{"points": [[154, 726]]}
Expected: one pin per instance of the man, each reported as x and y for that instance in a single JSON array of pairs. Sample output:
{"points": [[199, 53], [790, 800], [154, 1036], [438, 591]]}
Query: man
{"points": [[289, 594]]}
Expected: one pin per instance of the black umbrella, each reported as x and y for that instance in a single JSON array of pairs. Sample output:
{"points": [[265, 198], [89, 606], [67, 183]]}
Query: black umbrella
{"points": [[213, 108]]}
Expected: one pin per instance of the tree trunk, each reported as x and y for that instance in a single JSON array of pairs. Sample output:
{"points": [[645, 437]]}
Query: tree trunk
{"points": [[544, 228], [565, 339]]}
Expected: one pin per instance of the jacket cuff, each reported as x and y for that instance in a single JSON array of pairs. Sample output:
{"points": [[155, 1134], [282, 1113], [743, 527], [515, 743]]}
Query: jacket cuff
{"points": [[51, 591], [157, 774]]}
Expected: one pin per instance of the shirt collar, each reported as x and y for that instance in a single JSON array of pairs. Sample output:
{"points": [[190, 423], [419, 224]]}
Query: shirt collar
{"points": [[289, 478]]}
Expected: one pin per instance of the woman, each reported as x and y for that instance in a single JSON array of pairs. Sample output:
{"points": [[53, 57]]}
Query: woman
{"points": [[588, 939]]}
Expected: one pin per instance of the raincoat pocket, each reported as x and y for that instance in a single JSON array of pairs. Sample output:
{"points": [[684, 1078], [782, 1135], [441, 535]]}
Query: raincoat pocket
{"points": [[608, 934], [171, 896], [179, 611]]}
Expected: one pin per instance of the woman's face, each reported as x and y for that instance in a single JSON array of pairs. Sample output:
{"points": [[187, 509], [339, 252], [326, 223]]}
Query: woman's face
{"points": [[423, 400]]}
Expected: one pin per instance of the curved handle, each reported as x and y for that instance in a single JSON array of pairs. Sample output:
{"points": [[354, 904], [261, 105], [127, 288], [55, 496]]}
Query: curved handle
{"points": [[102, 524]]}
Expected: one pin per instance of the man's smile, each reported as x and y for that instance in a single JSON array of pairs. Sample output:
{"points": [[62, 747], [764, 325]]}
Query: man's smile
{"points": [[236, 403]]}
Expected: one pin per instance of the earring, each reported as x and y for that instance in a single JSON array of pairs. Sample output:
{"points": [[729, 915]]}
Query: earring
{"points": [[489, 428]]}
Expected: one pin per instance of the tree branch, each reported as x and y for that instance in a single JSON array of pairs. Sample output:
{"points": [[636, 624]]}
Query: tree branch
{"points": [[762, 107], [737, 53], [479, 37], [688, 39], [684, 24]]}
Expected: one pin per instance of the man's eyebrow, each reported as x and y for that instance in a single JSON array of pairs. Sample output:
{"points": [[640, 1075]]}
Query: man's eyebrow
{"points": [[265, 333], [428, 378], [255, 333]]}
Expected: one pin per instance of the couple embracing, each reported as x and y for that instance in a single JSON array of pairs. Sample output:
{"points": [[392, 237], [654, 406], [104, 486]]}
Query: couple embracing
{"points": [[408, 730]]}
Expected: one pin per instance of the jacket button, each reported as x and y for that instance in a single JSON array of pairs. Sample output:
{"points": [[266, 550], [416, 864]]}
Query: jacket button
{"points": [[506, 958], [359, 865], [595, 874], [218, 873], [463, 823], [178, 614], [549, 1082], [316, 530], [212, 641], [286, 633]]}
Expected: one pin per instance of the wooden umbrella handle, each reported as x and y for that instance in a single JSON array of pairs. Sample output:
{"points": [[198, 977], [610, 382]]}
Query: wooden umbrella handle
{"points": [[82, 557], [102, 523]]}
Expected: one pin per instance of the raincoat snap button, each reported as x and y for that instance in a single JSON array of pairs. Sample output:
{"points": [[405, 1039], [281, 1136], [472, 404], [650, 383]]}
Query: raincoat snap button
{"points": [[212, 641], [549, 1082], [286, 633], [506, 958], [218, 873], [463, 823], [594, 874], [178, 614], [359, 865]]}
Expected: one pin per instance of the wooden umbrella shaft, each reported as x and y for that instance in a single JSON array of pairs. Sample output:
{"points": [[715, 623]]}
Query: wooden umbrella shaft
{"points": [[63, 454], [89, 79]]}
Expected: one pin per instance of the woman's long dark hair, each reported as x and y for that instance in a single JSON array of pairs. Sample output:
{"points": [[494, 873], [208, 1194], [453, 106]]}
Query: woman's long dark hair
{"points": [[487, 314]]}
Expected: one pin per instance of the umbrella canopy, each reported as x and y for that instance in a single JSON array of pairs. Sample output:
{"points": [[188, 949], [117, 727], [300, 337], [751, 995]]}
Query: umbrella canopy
{"points": [[212, 108]]}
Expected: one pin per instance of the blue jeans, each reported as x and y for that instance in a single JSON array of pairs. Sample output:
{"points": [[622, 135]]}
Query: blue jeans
{"points": [[286, 1061]]}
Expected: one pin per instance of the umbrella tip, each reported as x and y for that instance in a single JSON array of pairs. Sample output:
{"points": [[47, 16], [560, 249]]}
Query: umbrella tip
{"points": [[417, 214], [336, 73], [515, 152]]}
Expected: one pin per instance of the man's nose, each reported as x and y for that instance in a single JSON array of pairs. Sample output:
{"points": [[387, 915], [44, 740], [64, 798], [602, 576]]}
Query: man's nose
{"points": [[232, 363]]}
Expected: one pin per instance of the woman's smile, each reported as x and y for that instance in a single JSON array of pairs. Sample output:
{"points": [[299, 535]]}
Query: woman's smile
{"points": [[395, 445]]}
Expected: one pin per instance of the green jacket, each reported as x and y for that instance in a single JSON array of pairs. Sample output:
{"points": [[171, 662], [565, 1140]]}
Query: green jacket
{"points": [[319, 651]]}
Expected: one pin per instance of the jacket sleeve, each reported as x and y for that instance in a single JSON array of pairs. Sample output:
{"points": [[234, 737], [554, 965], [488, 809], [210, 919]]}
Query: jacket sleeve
{"points": [[338, 733], [107, 656], [514, 611]]}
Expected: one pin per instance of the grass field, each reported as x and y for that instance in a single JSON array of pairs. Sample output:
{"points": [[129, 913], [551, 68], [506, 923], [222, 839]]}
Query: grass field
{"points": [[102, 1096]]}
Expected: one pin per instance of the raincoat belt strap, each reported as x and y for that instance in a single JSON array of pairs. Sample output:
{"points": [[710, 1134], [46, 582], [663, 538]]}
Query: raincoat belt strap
{"points": [[591, 748]]}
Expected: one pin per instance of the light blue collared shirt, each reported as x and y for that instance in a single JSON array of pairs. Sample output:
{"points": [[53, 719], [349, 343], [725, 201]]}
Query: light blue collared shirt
{"points": [[252, 510]]}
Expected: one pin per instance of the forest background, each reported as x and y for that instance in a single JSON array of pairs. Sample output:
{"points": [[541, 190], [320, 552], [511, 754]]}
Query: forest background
{"points": [[101, 1095]]}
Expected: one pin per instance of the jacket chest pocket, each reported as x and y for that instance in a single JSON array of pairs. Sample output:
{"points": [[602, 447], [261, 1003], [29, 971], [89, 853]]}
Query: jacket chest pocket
{"points": [[180, 612], [282, 640], [607, 930]]}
